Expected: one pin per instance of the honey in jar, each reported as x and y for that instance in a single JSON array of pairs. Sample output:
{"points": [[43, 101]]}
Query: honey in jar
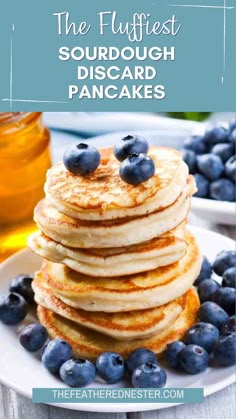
{"points": [[24, 160]]}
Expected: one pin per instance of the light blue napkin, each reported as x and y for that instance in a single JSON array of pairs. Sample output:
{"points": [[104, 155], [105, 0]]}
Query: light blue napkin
{"points": [[73, 127], [88, 124]]}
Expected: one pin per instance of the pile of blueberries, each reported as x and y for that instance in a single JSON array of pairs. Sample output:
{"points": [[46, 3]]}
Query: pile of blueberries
{"points": [[136, 166], [110, 367], [211, 158], [213, 339]]}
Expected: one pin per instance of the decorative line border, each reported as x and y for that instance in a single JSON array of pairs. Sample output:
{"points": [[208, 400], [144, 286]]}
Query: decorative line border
{"points": [[224, 7]]}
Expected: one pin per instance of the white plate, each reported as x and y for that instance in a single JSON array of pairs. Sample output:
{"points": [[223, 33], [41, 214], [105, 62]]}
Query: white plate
{"points": [[22, 371]]}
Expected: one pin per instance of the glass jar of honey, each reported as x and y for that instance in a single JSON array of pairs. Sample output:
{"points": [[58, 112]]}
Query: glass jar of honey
{"points": [[24, 160]]}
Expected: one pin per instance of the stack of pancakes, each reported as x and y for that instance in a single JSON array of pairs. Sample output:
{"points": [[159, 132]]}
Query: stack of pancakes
{"points": [[119, 263]]}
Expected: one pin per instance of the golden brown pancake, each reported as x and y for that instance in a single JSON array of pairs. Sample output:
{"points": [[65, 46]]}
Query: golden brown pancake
{"points": [[103, 195], [77, 233], [90, 344], [123, 326], [160, 251], [133, 292]]}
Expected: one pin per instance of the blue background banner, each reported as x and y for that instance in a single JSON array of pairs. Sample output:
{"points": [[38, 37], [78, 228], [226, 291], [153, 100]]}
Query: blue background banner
{"points": [[201, 77], [117, 395]]}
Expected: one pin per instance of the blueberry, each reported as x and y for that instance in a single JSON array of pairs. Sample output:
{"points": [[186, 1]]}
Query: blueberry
{"points": [[21, 284], [229, 326], [225, 298], [33, 337], [55, 353], [225, 349], [232, 136], [224, 260], [173, 349], [111, 367], [216, 134], [131, 144], [81, 159], [202, 186], [206, 289], [189, 157], [77, 372], [137, 168], [211, 312], [232, 126], [229, 278], [13, 309], [149, 376], [223, 150], [193, 359], [210, 166], [196, 143], [222, 190], [140, 356], [230, 168], [205, 272], [202, 334]]}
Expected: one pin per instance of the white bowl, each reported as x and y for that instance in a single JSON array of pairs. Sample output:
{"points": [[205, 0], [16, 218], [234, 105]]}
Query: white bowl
{"points": [[219, 212]]}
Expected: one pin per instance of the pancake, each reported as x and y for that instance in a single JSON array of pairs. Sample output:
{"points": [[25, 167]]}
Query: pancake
{"points": [[105, 234], [160, 251], [134, 292], [89, 344], [123, 326], [103, 195]]}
